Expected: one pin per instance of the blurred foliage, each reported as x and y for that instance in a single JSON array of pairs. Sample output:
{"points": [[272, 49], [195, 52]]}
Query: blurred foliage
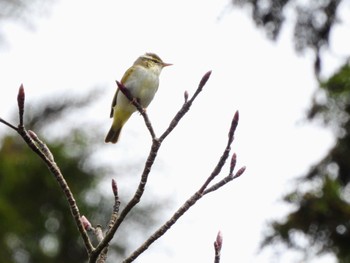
{"points": [[36, 224], [322, 209], [321, 216], [312, 27], [23, 12]]}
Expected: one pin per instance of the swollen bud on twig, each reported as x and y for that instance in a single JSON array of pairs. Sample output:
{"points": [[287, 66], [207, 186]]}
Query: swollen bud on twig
{"points": [[239, 172], [233, 163], [218, 242], [234, 124], [116, 200], [186, 95], [217, 247], [204, 79], [98, 231], [200, 86], [114, 187], [86, 223], [20, 102]]}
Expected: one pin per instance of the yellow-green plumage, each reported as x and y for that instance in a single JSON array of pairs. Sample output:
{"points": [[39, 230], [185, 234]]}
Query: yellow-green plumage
{"points": [[119, 119], [142, 80]]}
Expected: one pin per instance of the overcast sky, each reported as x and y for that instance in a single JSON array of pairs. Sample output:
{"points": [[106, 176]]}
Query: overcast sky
{"points": [[85, 44]]}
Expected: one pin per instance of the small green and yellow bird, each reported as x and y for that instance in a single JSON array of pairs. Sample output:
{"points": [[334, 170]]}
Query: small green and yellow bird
{"points": [[142, 80]]}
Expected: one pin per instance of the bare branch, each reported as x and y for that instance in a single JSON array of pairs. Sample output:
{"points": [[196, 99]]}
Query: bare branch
{"points": [[186, 106], [195, 197], [8, 124], [220, 184], [102, 257], [164, 228], [225, 155], [116, 197], [224, 181], [44, 153], [42, 146], [228, 178], [135, 199]]}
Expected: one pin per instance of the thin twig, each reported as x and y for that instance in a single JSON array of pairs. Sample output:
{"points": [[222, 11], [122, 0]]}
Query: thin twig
{"points": [[194, 198], [135, 199], [42, 146], [225, 155], [186, 106], [102, 257], [8, 124], [116, 205], [164, 228], [228, 178], [224, 181]]}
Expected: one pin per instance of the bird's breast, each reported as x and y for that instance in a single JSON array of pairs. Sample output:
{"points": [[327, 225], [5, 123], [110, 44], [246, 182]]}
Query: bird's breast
{"points": [[143, 85]]}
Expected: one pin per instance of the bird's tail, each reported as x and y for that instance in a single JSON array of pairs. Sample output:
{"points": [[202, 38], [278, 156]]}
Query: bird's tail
{"points": [[118, 123], [113, 134]]}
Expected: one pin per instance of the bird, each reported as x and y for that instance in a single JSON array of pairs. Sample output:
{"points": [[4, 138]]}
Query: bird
{"points": [[142, 81]]}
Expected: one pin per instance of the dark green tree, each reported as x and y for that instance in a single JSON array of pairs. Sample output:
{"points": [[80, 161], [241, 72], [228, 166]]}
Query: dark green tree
{"points": [[321, 214], [313, 25], [35, 224]]}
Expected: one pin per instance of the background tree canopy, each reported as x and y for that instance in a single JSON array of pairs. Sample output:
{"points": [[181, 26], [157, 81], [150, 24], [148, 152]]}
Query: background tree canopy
{"points": [[36, 225], [321, 213], [313, 24]]}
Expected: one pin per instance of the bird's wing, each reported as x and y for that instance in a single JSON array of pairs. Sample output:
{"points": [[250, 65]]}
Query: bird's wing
{"points": [[123, 81], [114, 102], [127, 74]]}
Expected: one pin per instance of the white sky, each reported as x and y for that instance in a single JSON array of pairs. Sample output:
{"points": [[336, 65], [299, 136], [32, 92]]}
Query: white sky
{"points": [[84, 44]]}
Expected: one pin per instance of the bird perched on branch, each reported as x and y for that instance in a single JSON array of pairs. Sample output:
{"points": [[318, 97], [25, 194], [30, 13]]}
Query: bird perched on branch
{"points": [[142, 81]]}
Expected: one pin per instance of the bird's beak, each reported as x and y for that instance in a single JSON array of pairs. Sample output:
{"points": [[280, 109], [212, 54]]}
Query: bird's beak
{"points": [[166, 64]]}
